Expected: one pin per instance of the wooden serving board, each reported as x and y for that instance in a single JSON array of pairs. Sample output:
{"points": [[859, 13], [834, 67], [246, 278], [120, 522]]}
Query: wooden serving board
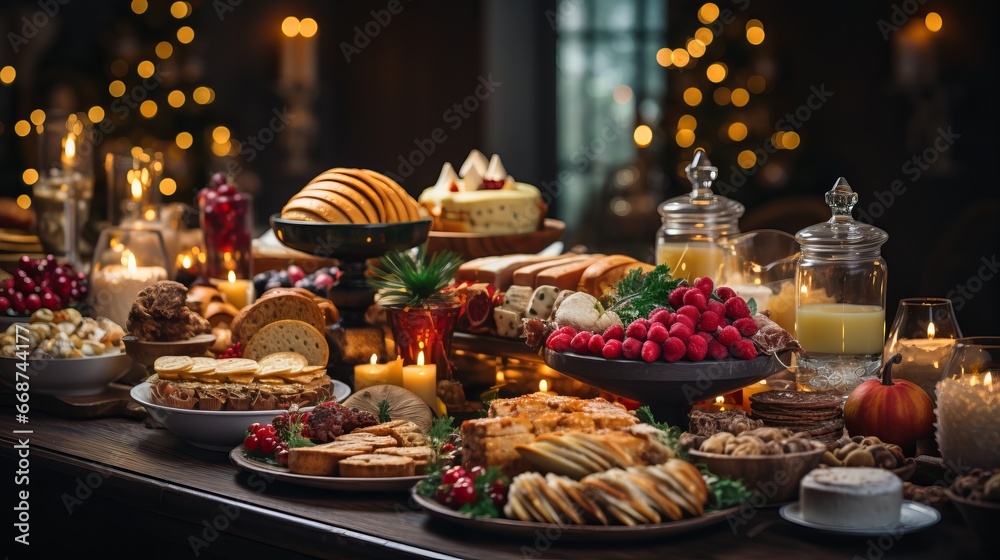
{"points": [[475, 245], [113, 401]]}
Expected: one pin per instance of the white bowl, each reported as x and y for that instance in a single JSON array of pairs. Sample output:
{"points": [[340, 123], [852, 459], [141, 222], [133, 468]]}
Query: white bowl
{"points": [[67, 377], [215, 430]]}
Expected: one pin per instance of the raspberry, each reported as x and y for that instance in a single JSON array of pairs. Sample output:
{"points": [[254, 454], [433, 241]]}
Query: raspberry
{"points": [[568, 331], [681, 331], [728, 336], [704, 285], [709, 321], [644, 322], [747, 326], [707, 336], [612, 350], [716, 307], [655, 311], [691, 312], [657, 333], [684, 320], [632, 349], [695, 298], [674, 349], [744, 349], [651, 351], [725, 293], [661, 316], [580, 341], [636, 330], [595, 344], [717, 351], [736, 308], [558, 343], [616, 332], [697, 348], [676, 297]]}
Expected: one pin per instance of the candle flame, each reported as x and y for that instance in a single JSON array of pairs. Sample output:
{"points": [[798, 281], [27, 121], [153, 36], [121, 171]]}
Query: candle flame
{"points": [[763, 381], [543, 385], [500, 378], [374, 359], [988, 380], [420, 358], [136, 189], [186, 262], [128, 260], [70, 146], [930, 329], [232, 279], [720, 400]]}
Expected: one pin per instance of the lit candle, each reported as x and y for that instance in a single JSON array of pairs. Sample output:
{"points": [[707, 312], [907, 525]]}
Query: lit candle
{"points": [[236, 292], [394, 372], [968, 421], [753, 390], [68, 157], [421, 380], [115, 287], [366, 375], [501, 380], [923, 360], [543, 387]]}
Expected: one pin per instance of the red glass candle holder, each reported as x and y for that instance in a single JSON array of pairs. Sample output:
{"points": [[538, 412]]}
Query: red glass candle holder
{"points": [[425, 329], [227, 224]]}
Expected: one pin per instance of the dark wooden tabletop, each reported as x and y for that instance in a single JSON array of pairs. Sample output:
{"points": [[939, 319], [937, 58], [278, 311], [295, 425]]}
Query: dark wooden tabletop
{"points": [[116, 485]]}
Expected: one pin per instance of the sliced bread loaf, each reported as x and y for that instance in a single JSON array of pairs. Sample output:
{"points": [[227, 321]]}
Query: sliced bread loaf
{"points": [[289, 335], [274, 308]]}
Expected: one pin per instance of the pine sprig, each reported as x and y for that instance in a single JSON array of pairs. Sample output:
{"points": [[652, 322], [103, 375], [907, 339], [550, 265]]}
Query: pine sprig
{"points": [[383, 411], [638, 294], [670, 434], [408, 279]]}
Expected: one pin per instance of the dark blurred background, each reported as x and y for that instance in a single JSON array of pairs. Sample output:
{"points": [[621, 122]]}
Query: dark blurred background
{"points": [[600, 102]]}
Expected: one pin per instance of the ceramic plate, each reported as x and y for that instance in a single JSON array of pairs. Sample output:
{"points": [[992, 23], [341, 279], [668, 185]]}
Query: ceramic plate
{"points": [[239, 457], [913, 516]]}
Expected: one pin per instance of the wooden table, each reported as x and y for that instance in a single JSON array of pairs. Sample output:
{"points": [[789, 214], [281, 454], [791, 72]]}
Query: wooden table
{"points": [[116, 486]]}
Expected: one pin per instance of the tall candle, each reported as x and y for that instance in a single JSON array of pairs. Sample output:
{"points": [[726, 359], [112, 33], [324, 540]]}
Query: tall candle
{"points": [[421, 379], [366, 375], [236, 292], [394, 372], [968, 421], [113, 288], [923, 361]]}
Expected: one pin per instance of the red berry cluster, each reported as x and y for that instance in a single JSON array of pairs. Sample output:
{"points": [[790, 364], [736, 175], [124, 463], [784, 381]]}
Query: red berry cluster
{"points": [[460, 487], [235, 350], [264, 440], [707, 324], [39, 283]]}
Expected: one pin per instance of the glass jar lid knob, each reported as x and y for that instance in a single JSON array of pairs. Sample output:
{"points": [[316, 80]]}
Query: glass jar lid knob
{"points": [[701, 173], [841, 199]]}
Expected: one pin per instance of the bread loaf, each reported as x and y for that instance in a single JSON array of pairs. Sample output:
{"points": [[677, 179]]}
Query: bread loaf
{"points": [[566, 276], [526, 275], [289, 335], [371, 465], [594, 279], [322, 460], [277, 307]]}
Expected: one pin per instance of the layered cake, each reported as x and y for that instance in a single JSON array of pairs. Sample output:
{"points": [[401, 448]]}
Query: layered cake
{"points": [[484, 199], [853, 497]]}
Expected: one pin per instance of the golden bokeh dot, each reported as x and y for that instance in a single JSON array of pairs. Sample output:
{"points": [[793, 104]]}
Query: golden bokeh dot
{"points": [[704, 35], [722, 95], [308, 27], [180, 10], [740, 97], [716, 72], [622, 94], [933, 21], [708, 13], [692, 96], [168, 186], [139, 6], [755, 35], [754, 23], [663, 57], [22, 128], [184, 140], [220, 135], [696, 48], [790, 140], [680, 57], [29, 176], [185, 34], [7, 74], [95, 114], [148, 108], [116, 88], [220, 149], [290, 26], [746, 159], [164, 49], [688, 122], [202, 95], [24, 201], [175, 98], [643, 135], [37, 116], [737, 131], [756, 84], [146, 69], [685, 137]]}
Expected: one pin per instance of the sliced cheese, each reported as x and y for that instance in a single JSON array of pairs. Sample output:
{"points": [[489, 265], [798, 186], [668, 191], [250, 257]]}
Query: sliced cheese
{"points": [[508, 322], [517, 298], [542, 300]]}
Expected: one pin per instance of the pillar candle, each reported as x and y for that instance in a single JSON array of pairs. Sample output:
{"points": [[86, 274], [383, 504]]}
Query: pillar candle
{"points": [[421, 379]]}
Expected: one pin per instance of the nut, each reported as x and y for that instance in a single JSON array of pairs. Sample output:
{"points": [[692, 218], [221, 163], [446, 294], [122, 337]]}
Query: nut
{"points": [[747, 448], [871, 440], [754, 445], [717, 443], [859, 458], [43, 316], [844, 451], [798, 445], [882, 456], [897, 452], [831, 460]]}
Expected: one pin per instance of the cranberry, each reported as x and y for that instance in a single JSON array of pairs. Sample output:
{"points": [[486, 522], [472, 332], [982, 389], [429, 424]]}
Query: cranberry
{"points": [[32, 302], [282, 456], [476, 471], [25, 264], [268, 444], [51, 301], [225, 189], [443, 494], [452, 474], [464, 491], [447, 448], [4, 304], [251, 442], [7, 284]]}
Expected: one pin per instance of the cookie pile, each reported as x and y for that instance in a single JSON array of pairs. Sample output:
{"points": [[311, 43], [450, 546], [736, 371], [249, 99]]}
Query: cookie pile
{"points": [[819, 415]]}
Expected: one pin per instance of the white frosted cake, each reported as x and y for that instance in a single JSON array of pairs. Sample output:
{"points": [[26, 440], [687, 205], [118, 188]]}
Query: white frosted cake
{"points": [[854, 497], [485, 199]]}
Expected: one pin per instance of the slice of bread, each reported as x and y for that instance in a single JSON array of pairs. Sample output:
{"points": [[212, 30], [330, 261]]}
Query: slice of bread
{"points": [[377, 442], [322, 460], [594, 279], [386, 428], [525, 276], [289, 335], [420, 453], [566, 276], [373, 465], [277, 307]]}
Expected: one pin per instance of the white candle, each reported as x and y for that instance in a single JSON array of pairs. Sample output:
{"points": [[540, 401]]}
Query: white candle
{"points": [[366, 375], [968, 421], [543, 387], [236, 292], [421, 380], [113, 288], [923, 361]]}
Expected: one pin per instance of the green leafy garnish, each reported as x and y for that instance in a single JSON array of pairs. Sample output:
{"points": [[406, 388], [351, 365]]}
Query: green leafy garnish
{"points": [[670, 434], [752, 304], [441, 429], [407, 279], [724, 492], [483, 506], [383, 411], [637, 294]]}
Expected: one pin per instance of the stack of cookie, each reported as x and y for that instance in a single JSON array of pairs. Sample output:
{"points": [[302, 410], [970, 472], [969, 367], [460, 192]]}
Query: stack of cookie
{"points": [[818, 415]]}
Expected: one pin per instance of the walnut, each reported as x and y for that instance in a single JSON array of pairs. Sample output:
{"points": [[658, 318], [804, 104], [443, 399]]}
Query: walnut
{"points": [[717, 443]]}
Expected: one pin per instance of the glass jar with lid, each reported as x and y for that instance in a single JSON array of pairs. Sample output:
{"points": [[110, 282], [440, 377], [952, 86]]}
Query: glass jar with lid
{"points": [[686, 242], [840, 287]]}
